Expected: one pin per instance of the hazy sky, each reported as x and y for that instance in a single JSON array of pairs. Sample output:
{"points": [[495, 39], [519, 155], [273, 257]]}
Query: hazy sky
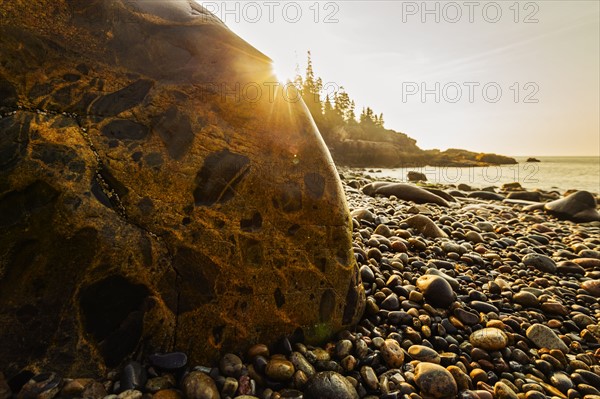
{"points": [[516, 78]]}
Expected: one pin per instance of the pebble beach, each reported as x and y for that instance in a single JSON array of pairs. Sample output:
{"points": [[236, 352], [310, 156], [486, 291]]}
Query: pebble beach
{"points": [[483, 298]]}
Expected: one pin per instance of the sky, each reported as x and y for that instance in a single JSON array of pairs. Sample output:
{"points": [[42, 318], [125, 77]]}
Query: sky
{"points": [[514, 78]]}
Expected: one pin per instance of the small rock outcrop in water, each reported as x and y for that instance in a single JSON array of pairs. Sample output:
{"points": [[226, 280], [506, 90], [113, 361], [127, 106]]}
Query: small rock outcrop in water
{"points": [[139, 210], [414, 176], [533, 160], [579, 206]]}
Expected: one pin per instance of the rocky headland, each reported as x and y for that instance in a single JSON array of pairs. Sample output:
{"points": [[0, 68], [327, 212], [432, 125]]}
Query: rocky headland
{"points": [[472, 294]]}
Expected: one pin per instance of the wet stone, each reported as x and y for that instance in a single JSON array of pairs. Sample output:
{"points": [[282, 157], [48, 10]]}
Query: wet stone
{"points": [[279, 369], [540, 262], [483, 307], [329, 385], [543, 337], [391, 302], [133, 376], [369, 378], [424, 354], [435, 381], [503, 391], [561, 381], [592, 286], [168, 361], [159, 383], [392, 353], [167, 394], [526, 299], [41, 386], [230, 365], [130, 394], [489, 339], [468, 318], [300, 363], [197, 385], [436, 290]]}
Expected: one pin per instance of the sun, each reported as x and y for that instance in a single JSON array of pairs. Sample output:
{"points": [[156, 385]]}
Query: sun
{"points": [[283, 74]]}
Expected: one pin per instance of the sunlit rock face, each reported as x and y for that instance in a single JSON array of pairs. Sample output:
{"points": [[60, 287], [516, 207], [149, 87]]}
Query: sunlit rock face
{"points": [[151, 198]]}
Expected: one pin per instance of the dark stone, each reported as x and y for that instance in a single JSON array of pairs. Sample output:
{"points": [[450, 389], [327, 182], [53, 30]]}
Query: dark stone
{"points": [[13, 140], [57, 155], [198, 274], [329, 385], [15, 205], [175, 130], [253, 224], [436, 290], [133, 376], [533, 196], [486, 195], [327, 305], [122, 100], [414, 176], [315, 185], [579, 207], [483, 307], [289, 199], [123, 129], [407, 192], [220, 174], [540, 262], [8, 95], [44, 385], [168, 361]]}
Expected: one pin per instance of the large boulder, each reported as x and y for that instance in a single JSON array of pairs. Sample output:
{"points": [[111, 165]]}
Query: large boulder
{"points": [[580, 206], [157, 191]]}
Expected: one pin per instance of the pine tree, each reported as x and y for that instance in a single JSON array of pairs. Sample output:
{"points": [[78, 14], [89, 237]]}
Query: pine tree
{"points": [[298, 81], [342, 103], [351, 117], [327, 107], [311, 89]]}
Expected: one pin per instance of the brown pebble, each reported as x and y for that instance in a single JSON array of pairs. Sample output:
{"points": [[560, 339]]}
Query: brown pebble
{"points": [[478, 375], [392, 353], [489, 338], [434, 380], [592, 287], [258, 350], [167, 394], [503, 391]]}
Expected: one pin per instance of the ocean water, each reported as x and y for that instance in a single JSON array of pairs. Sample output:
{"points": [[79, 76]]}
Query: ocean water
{"points": [[552, 173]]}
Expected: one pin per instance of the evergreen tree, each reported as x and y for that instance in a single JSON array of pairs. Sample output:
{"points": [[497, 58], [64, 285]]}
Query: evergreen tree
{"points": [[367, 117], [298, 81], [327, 107], [311, 89], [351, 116], [342, 103]]}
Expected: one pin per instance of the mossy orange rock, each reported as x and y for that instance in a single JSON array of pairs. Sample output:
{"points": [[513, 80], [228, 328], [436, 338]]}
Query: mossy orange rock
{"points": [[158, 191]]}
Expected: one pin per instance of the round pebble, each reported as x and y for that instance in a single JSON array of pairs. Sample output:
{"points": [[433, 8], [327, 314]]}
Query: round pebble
{"points": [[492, 339], [434, 380]]}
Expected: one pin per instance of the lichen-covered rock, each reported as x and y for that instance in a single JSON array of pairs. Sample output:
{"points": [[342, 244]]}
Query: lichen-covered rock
{"points": [[157, 191]]}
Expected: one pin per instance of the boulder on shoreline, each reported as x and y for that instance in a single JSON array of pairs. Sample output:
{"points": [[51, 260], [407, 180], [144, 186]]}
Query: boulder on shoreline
{"points": [[580, 206], [143, 210]]}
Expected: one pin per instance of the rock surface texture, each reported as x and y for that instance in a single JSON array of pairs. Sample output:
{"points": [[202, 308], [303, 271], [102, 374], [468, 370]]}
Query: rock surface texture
{"points": [[150, 199]]}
